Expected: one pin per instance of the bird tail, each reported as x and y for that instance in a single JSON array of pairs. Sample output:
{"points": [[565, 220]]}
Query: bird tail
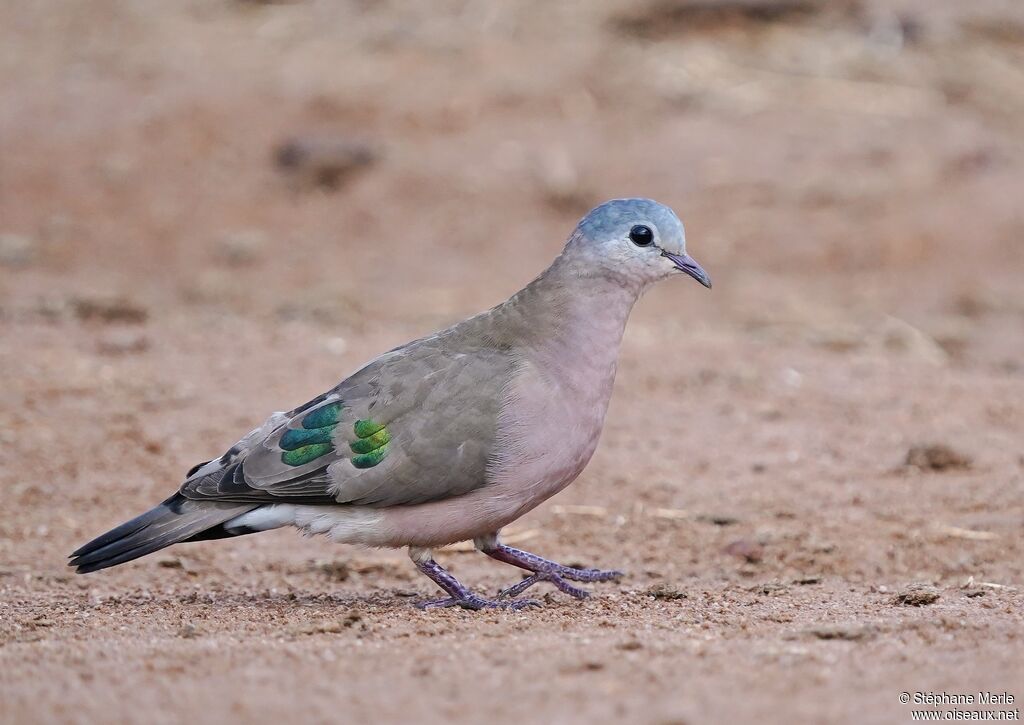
{"points": [[176, 519]]}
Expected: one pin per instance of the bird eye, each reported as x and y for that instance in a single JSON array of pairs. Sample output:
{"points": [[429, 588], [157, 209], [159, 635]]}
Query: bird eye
{"points": [[641, 236]]}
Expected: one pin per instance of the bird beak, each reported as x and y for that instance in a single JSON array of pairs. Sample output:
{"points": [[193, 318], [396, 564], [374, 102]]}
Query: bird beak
{"points": [[687, 264]]}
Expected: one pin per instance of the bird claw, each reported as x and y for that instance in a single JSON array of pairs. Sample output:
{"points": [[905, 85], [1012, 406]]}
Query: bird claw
{"points": [[476, 602]]}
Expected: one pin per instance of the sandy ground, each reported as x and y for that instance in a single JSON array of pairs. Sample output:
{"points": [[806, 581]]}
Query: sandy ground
{"points": [[851, 175]]}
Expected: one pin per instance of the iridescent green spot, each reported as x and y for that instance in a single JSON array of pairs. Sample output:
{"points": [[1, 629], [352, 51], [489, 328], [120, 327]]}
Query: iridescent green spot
{"points": [[325, 415], [371, 443], [371, 459], [366, 428], [305, 454], [298, 437]]}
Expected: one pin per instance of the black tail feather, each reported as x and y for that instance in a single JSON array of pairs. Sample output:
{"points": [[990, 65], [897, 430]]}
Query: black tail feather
{"points": [[176, 519], [126, 529]]}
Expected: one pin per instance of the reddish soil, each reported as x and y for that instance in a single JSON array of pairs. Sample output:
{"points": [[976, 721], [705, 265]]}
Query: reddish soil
{"points": [[851, 177]]}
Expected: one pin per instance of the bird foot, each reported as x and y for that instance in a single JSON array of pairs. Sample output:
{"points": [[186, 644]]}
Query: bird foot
{"points": [[476, 602], [459, 595], [547, 571], [563, 586], [559, 580]]}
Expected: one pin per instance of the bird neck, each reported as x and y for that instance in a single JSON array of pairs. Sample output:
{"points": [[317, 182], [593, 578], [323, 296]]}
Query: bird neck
{"points": [[570, 311]]}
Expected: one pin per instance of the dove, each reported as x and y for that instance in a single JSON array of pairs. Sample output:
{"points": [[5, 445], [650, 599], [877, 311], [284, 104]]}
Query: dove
{"points": [[448, 438]]}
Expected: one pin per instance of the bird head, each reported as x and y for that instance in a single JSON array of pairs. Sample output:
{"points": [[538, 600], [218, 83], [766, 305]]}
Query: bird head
{"points": [[638, 240]]}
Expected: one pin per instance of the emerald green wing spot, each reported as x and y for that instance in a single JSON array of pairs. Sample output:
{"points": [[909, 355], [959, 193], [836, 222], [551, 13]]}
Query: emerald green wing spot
{"points": [[369, 460], [371, 443], [366, 428], [305, 454], [298, 437], [325, 415]]}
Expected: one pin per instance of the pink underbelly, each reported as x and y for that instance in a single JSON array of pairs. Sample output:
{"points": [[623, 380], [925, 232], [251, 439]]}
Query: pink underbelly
{"points": [[480, 512]]}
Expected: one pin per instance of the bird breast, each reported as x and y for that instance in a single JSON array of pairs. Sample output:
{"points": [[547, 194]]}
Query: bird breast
{"points": [[549, 425]]}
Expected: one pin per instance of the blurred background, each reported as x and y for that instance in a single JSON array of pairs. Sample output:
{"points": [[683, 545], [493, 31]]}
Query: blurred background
{"points": [[214, 209]]}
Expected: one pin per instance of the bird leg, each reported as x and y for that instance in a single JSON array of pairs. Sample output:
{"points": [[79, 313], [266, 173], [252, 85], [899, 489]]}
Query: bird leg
{"points": [[543, 569], [458, 594]]}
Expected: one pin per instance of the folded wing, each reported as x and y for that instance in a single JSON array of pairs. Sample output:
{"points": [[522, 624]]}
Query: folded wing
{"points": [[415, 425]]}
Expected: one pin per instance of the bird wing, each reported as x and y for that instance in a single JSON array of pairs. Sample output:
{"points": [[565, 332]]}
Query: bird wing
{"points": [[415, 425]]}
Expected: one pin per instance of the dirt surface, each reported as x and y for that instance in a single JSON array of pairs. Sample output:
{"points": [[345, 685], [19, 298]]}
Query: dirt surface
{"points": [[813, 475]]}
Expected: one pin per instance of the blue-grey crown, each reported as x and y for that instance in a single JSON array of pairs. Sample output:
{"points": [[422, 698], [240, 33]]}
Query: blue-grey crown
{"points": [[618, 214]]}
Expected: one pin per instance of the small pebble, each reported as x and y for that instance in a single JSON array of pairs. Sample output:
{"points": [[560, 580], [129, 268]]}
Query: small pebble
{"points": [[937, 457], [916, 595]]}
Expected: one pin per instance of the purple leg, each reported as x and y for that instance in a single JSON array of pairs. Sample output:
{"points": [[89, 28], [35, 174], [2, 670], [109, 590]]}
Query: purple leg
{"points": [[459, 595], [543, 570]]}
